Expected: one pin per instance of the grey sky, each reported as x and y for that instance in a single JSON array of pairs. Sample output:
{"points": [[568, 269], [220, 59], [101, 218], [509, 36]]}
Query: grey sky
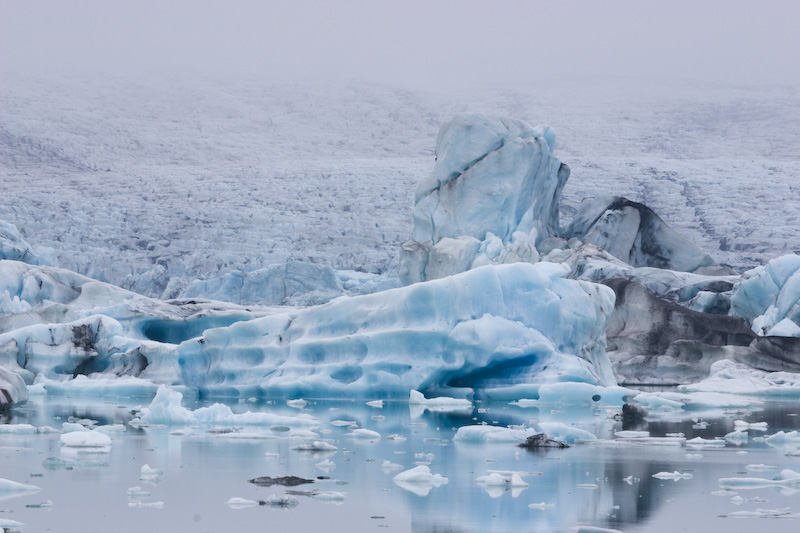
{"points": [[433, 41]]}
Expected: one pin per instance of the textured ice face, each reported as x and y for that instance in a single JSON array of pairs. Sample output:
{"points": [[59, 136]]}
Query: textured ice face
{"points": [[497, 331], [494, 178], [768, 296]]}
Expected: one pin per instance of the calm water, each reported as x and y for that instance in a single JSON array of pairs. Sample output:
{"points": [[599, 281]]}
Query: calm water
{"points": [[582, 485]]}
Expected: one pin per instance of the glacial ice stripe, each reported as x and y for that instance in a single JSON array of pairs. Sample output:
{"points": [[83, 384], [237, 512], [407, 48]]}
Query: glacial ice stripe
{"points": [[501, 331]]}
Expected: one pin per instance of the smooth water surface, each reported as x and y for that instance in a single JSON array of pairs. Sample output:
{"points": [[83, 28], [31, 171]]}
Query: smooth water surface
{"points": [[609, 485]]}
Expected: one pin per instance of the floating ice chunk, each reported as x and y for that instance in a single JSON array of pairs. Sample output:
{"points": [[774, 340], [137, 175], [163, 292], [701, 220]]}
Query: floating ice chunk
{"points": [[366, 434], [631, 434], [297, 404], [111, 429], [737, 438], [327, 465], [763, 513], [18, 429], [760, 468], [138, 493], [419, 480], [44, 505], [594, 529], [396, 438], [280, 502], [378, 404], [786, 479], [343, 423], [440, 404], [388, 466], [150, 475], [316, 446], [330, 496], [152, 505], [541, 505], [10, 525], [69, 427], [566, 433], [10, 489], [734, 378], [630, 480], [85, 439], [498, 480], [674, 476], [588, 486], [492, 434], [240, 503], [56, 463], [699, 442], [782, 438], [741, 425], [576, 393]]}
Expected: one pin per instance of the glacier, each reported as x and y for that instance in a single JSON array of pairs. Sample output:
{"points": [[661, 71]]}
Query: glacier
{"points": [[493, 299]]}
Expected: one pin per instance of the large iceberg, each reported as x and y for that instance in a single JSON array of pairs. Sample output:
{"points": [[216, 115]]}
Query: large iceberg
{"points": [[499, 331]]}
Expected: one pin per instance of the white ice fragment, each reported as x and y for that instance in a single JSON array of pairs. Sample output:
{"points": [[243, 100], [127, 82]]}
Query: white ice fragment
{"points": [[674, 476], [378, 404], [419, 480], [760, 468], [329, 496], [737, 438], [297, 404], [240, 503], [388, 466], [541, 505], [150, 475], [327, 465], [498, 480], [786, 479], [138, 493], [594, 529], [10, 489], [631, 434], [85, 439], [316, 446], [17, 429], [152, 505], [343, 423], [763, 513], [366, 434], [699, 442], [630, 480], [439, 404], [397, 438], [741, 425]]}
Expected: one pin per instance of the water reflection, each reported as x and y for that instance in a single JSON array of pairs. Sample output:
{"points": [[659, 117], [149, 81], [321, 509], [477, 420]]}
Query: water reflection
{"points": [[607, 485]]}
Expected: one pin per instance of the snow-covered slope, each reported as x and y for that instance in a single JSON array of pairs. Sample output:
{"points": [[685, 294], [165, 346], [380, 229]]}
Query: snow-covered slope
{"points": [[154, 184]]}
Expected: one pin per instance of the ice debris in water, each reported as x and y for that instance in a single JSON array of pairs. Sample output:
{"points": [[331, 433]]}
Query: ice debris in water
{"points": [[316, 446], [166, 409], [378, 404], [786, 479], [490, 434], [763, 513], [500, 480], [674, 476], [10, 488], [741, 425], [541, 505], [241, 503], [297, 404], [85, 439], [150, 475], [138, 493], [419, 480], [440, 404], [366, 434]]}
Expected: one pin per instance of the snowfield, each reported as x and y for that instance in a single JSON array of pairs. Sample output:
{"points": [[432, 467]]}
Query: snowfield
{"points": [[153, 185]]}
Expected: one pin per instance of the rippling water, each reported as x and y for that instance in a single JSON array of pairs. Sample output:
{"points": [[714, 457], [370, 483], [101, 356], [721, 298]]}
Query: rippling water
{"points": [[602, 484]]}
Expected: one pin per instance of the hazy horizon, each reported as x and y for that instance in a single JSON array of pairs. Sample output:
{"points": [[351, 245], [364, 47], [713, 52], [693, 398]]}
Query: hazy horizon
{"points": [[427, 43]]}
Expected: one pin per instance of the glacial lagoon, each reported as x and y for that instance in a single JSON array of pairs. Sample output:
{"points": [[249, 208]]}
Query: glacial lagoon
{"points": [[196, 478]]}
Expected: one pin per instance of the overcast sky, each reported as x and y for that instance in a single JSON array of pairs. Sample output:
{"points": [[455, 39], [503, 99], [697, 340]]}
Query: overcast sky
{"points": [[410, 41]]}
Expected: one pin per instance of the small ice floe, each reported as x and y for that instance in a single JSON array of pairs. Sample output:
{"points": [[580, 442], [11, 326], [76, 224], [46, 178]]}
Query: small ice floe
{"points": [[423, 456], [377, 404], [763, 513], [319, 446], [285, 481], [694, 456], [329, 496], [10, 525], [299, 403], [440, 404], [365, 434], [396, 438], [150, 475], [344, 423], [57, 463], [44, 505], [588, 486], [111, 429], [280, 502], [782, 439], [497, 483], [11, 489], [702, 424], [594, 529], [17, 429], [46, 430], [271, 455], [151, 505], [540, 440], [388, 466], [788, 479], [741, 425], [138, 493], [69, 427], [760, 468], [541, 505], [419, 480], [699, 442], [630, 480], [674, 476], [241, 503], [86, 439], [631, 434], [737, 438], [326, 466]]}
